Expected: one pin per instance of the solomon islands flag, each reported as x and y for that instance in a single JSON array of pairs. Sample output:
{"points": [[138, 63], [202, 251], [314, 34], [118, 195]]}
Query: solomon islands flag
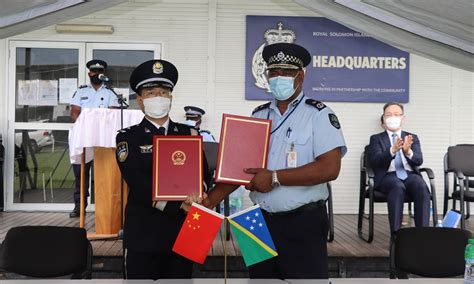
{"points": [[251, 232]]}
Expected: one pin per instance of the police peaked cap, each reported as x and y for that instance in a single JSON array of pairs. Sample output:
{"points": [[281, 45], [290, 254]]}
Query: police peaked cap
{"points": [[96, 64], [194, 111], [154, 73], [286, 55]]}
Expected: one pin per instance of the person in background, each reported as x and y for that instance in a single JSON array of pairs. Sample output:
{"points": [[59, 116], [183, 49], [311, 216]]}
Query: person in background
{"points": [[95, 95], [395, 156], [382, 122], [194, 119]]}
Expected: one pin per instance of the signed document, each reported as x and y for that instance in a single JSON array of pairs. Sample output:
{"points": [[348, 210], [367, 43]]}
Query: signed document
{"points": [[177, 167]]}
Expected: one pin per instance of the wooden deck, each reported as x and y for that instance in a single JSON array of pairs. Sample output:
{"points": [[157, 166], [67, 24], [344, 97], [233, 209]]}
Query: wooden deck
{"points": [[349, 256], [346, 241]]}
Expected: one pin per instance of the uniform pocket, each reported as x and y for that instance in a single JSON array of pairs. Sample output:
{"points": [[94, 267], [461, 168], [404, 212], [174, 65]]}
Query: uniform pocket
{"points": [[297, 141]]}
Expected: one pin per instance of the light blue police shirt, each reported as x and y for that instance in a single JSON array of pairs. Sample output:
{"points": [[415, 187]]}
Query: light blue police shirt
{"points": [[206, 136], [310, 130], [88, 97]]}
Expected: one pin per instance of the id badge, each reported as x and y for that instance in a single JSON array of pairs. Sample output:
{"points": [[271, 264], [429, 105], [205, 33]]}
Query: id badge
{"points": [[291, 157]]}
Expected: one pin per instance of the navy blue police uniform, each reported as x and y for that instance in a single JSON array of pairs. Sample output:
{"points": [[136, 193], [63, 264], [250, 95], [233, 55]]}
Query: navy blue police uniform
{"points": [[150, 228]]}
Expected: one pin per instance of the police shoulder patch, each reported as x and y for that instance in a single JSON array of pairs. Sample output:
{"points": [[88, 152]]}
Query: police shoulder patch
{"points": [[317, 104], [124, 130], [334, 121], [122, 151], [260, 107]]}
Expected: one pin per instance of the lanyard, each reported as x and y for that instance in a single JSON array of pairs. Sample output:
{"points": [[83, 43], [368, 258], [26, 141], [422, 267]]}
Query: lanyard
{"points": [[289, 114]]}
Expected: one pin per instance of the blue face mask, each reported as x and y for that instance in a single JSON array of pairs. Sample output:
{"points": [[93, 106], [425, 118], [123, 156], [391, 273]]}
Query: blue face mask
{"points": [[282, 87]]}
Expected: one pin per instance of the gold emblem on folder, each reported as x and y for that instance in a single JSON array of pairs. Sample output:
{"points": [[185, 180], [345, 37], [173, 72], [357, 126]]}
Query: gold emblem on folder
{"points": [[178, 158]]}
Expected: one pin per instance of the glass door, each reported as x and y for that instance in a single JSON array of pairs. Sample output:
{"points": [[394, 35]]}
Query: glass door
{"points": [[43, 76], [38, 171]]}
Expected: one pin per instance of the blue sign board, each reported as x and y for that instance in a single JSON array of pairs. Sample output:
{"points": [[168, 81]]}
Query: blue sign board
{"points": [[346, 66]]}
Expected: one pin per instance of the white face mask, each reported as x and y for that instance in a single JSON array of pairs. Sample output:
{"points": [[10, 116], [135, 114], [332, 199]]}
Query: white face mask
{"points": [[157, 107], [393, 122], [191, 123]]}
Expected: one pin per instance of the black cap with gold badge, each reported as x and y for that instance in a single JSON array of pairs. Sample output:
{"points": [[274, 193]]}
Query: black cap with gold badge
{"points": [[154, 73], [286, 55], [96, 65]]}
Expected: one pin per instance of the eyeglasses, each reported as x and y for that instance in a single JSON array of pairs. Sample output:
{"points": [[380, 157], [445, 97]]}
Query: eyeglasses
{"points": [[155, 92], [393, 115]]}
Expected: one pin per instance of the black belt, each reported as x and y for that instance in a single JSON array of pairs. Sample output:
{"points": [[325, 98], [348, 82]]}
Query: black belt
{"points": [[303, 208]]}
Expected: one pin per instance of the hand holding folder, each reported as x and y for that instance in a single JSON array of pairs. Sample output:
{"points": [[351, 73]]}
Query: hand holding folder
{"points": [[244, 143]]}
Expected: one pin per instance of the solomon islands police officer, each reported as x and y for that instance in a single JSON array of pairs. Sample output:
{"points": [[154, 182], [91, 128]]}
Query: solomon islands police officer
{"points": [[306, 147], [95, 95], [151, 228], [194, 119]]}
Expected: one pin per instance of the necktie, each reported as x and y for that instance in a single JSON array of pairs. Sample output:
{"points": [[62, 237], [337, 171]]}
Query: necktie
{"points": [[399, 168], [161, 131]]}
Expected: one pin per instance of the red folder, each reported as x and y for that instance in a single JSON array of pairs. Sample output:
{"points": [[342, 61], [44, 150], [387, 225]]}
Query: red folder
{"points": [[244, 143], [177, 167]]}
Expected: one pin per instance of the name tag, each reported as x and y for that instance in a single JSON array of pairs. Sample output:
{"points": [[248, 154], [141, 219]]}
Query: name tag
{"points": [[84, 98], [292, 157]]}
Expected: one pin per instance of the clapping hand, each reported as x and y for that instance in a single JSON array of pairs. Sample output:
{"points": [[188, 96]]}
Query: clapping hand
{"points": [[397, 145], [407, 144]]}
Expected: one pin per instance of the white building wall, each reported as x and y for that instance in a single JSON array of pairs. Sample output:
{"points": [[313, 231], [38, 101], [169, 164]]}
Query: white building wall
{"points": [[206, 41]]}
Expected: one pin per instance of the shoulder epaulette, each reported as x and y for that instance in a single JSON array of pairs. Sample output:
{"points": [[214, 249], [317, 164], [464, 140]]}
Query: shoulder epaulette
{"points": [[260, 107], [205, 131], [128, 129], [123, 130], [82, 86], [317, 104]]}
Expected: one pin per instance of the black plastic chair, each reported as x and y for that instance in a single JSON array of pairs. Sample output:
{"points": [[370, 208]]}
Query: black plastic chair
{"points": [[428, 252], [2, 159], [367, 191], [459, 160], [47, 251]]}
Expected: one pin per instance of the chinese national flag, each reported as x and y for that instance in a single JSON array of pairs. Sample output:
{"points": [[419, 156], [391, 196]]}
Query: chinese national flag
{"points": [[197, 233]]}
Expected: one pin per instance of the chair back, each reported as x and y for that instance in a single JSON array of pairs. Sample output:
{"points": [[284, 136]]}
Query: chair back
{"points": [[429, 251], [364, 158], [366, 170], [210, 150], [461, 158], [47, 251]]}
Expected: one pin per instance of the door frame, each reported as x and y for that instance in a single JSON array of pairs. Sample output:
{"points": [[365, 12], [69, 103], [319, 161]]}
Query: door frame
{"points": [[85, 51]]}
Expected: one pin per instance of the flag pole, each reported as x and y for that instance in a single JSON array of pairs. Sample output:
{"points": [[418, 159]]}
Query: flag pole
{"points": [[224, 240]]}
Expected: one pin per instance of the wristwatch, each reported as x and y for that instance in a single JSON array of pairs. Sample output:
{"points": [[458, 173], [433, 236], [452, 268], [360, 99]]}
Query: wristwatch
{"points": [[275, 181]]}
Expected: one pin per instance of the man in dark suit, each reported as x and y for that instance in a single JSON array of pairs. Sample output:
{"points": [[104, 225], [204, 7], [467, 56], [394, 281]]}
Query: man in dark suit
{"points": [[395, 156]]}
